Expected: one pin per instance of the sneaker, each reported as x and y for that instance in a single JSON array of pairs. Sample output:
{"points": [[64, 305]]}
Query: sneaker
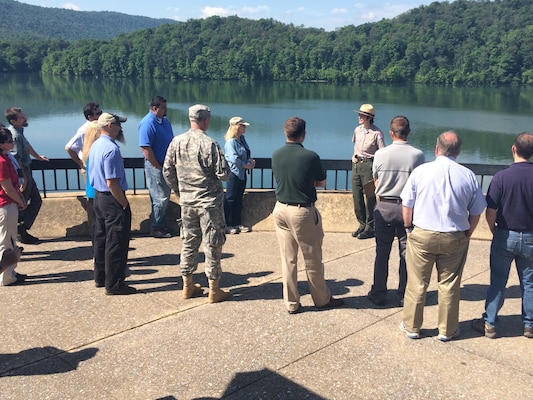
{"points": [[444, 338], [161, 233], [410, 335], [378, 300], [121, 291], [481, 326], [528, 332], [295, 310], [244, 229], [232, 230]]}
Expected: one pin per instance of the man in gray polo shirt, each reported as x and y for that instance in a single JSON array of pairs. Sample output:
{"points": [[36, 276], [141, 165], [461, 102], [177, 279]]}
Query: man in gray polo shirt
{"points": [[391, 168]]}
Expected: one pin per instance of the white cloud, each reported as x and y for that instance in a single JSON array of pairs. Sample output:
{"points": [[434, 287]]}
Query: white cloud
{"points": [[369, 16], [255, 10], [210, 11], [337, 11], [70, 6]]}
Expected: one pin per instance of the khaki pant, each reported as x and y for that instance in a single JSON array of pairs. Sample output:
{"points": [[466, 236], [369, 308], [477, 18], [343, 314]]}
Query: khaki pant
{"points": [[447, 251], [301, 227]]}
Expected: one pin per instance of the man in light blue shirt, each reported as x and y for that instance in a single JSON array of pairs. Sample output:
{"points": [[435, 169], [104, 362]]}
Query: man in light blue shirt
{"points": [[112, 212], [442, 203]]}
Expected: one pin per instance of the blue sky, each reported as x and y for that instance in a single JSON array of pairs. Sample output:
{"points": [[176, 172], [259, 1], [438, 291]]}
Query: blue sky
{"points": [[309, 13]]}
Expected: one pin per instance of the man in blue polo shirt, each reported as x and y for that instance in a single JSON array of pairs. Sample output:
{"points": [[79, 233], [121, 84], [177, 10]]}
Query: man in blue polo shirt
{"points": [[155, 134], [112, 211], [509, 215]]}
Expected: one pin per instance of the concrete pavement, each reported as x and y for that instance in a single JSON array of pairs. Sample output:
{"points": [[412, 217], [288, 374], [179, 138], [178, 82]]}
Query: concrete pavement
{"points": [[62, 338]]}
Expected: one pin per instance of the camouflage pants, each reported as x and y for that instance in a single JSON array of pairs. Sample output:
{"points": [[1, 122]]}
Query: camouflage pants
{"points": [[202, 225]]}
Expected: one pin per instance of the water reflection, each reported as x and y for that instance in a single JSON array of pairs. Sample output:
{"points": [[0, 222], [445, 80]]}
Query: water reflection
{"points": [[486, 118]]}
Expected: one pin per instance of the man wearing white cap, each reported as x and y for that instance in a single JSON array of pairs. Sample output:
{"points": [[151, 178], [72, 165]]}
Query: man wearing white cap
{"points": [[112, 225]]}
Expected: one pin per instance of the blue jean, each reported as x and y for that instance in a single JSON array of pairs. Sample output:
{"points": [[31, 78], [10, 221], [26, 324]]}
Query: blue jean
{"points": [[508, 246], [159, 194]]}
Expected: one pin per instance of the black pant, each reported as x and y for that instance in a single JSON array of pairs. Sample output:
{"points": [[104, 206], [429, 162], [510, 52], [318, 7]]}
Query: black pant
{"points": [[233, 200], [389, 224], [112, 227], [33, 198]]}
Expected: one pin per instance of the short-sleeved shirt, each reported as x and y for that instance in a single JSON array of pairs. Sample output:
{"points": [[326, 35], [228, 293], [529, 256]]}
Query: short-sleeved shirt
{"points": [[155, 133], [76, 142], [106, 163], [511, 194], [393, 165], [443, 194], [296, 169], [368, 141], [20, 147], [7, 172], [195, 166]]}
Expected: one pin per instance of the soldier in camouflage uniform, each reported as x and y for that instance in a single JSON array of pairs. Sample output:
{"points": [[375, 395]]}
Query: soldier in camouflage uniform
{"points": [[194, 168]]}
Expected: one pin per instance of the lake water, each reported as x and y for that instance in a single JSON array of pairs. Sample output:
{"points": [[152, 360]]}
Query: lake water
{"points": [[487, 119]]}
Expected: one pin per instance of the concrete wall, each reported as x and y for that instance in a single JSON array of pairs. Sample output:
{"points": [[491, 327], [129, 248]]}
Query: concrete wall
{"points": [[64, 215]]}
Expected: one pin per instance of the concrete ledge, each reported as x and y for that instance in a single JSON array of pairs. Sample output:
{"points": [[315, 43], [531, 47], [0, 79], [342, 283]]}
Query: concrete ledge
{"points": [[63, 214]]}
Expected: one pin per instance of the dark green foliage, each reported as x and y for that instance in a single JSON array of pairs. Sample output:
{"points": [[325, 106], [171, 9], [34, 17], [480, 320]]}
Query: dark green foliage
{"points": [[460, 43], [23, 21]]}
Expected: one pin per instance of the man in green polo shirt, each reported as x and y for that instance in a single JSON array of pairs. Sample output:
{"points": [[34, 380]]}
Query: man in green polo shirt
{"points": [[298, 223]]}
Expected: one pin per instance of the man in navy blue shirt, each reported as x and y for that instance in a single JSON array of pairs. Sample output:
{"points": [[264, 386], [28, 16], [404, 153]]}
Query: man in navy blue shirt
{"points": [[509, 215]]}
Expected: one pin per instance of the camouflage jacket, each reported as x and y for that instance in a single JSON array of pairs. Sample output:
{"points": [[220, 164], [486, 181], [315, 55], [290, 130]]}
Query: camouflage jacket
{"points": [[194, 168]]}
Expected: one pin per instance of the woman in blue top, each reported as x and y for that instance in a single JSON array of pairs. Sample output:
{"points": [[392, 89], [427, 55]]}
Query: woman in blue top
{"points": [[237, 154], [91, 134]]}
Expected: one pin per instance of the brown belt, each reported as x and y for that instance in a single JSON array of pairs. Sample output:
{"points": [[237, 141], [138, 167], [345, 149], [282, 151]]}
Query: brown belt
{"points": [[390, 200]]}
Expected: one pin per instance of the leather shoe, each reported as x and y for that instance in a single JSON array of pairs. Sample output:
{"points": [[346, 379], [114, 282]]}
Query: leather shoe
{"points": [[99, 284], [16, 282], [332, 303], [26, 238], [357, 232], [121, 291], [376, 299], [161, 234], [296, 310], [366, 234], [22, 276]]}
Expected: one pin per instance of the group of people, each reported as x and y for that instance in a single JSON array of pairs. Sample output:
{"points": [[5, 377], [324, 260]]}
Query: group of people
{"points": [[20, 200], [432, 208]]}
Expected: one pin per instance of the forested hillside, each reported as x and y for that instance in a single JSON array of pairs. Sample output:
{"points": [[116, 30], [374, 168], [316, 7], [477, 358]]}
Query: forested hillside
{"points": [[25, 21], [463, 43]]}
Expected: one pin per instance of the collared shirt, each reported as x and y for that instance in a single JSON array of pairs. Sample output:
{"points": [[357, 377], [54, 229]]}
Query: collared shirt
{"points": [[296, 169], [155, 133], [195, 166], [106, 163], [367, 141], [76, 142], [392, 166], [511, 194], [442, 194], [237, 153], [20, 147]]}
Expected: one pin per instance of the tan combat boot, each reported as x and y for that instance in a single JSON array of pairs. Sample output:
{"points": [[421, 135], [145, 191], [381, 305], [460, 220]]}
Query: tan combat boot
{"points": [[190, 288], [215, 293]]}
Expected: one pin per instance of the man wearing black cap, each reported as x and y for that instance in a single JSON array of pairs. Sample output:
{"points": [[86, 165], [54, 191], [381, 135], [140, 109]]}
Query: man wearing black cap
{"points": [[112, 211]]}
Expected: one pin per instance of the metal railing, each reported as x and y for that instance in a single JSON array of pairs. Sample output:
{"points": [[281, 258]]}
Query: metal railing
{"points": [[62, 175]]}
